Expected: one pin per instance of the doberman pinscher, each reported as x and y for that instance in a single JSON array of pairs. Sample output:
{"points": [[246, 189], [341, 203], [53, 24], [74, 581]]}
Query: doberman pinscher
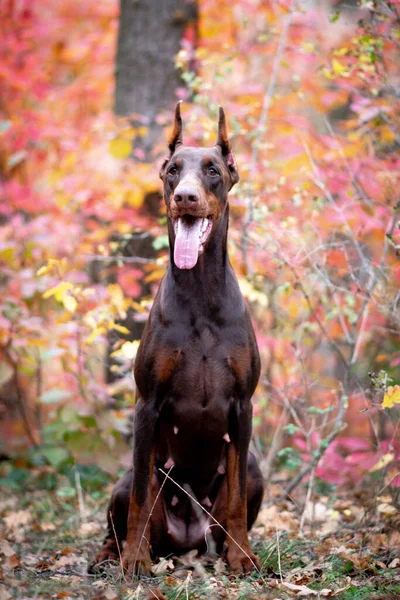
{"points": [[196, 370]]}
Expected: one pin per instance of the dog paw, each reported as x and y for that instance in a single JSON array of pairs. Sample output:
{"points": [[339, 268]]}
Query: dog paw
{"points": [[239, 563], [136, 564], [101, 559]]}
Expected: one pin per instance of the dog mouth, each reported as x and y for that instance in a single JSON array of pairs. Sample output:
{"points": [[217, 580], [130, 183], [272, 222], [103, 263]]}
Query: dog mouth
{"points": [[191, 234]]}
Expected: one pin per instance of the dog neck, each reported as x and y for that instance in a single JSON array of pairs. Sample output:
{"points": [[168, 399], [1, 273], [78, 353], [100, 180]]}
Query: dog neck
{"points": [[212, 264]]}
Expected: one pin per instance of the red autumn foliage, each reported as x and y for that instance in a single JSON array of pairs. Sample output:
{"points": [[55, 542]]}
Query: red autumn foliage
{"points": [[311, 98]]}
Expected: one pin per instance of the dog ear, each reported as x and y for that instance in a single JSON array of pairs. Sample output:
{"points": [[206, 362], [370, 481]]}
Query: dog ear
{"points": [[224, 143], [176, 136], [175, 139]]}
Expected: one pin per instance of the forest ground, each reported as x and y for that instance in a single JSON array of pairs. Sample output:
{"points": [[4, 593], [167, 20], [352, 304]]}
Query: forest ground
{"points": [[51, 525]]}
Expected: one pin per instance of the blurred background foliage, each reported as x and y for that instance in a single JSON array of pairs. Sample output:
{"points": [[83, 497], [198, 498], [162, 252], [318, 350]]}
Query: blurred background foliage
{"points": [[311, 90]]}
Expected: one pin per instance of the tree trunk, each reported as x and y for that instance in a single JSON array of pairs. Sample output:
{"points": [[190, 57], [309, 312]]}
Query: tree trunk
{"points": [[150, 35]]}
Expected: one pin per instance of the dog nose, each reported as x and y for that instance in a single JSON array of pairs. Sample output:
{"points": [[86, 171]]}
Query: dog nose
{"points": [[186, 196]]}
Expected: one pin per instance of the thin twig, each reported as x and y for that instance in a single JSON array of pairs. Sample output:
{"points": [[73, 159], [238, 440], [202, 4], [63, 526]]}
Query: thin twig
{"points": [[339, 426], [279, 555], [308, 498], [187, 581], [261, 129], [363, 314], [331, 287], [118, 548], [118, 257], [81, 504], [275, 444], [387, 484], [354, 179], [332, 343], [319, 183], [152, 510], [39, 379]]}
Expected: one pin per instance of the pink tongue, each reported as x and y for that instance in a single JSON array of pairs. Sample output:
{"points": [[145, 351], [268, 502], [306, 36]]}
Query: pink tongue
{"points": [[187, 241]]}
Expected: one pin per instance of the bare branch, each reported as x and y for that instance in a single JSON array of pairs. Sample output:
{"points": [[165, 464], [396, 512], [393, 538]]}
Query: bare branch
{"points": [[319, 183], [332, 343], [353, 176], [260, 130], [339, 426], [363, 314], [118, 257]]}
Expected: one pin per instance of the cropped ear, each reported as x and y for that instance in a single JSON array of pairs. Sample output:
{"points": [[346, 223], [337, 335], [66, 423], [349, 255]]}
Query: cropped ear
{"points": [[226, 150], [175, 139], [176, 136]]}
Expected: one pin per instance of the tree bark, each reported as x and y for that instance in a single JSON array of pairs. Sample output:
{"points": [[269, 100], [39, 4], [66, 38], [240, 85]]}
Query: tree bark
{"points": [[150, 35]]}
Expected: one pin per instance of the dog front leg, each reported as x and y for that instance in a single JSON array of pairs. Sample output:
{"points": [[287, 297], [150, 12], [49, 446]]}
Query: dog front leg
{"points": [[239, 556], [136, 553]]}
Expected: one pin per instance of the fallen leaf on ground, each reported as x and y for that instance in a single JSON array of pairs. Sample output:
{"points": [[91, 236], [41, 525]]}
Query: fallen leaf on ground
{"points": [[317, 511], [107, 594], [6, 549], [43, 565], [220, 566], [4, 595], [11, 559], [303, 591], [65, 561], [394, 540], [387, 509], [89, 529], [12, 562], [47, 526], [274, 519], [18, 519], [163, 566], [395, 564]]}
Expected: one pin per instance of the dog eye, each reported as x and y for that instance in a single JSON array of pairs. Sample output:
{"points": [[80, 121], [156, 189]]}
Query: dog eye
{"points": [[212, 171], [172, 171]]}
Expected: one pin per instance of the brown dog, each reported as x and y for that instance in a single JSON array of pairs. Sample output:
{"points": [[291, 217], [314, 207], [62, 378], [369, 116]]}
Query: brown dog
{"points": [[196, 370]]}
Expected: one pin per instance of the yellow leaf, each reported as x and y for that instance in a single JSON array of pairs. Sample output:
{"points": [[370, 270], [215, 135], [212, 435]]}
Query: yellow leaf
{"points": [[142, 131], [118, 300], [138, 307], [119, 328], [129, 349], [327, 73], [155, 275], [63, 293], [308, 47], [54, 265], [341, 51], [43, 270], [134, 197], [120, 148], [338, 68], [391, 397], [128, 133], [296, 164], [382, 462], [249, 291], [95, 333], [116, 294], [69, 303]]}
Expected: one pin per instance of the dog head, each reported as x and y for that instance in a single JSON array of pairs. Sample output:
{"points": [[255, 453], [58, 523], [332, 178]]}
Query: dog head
{"points": [[196, 185]]}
